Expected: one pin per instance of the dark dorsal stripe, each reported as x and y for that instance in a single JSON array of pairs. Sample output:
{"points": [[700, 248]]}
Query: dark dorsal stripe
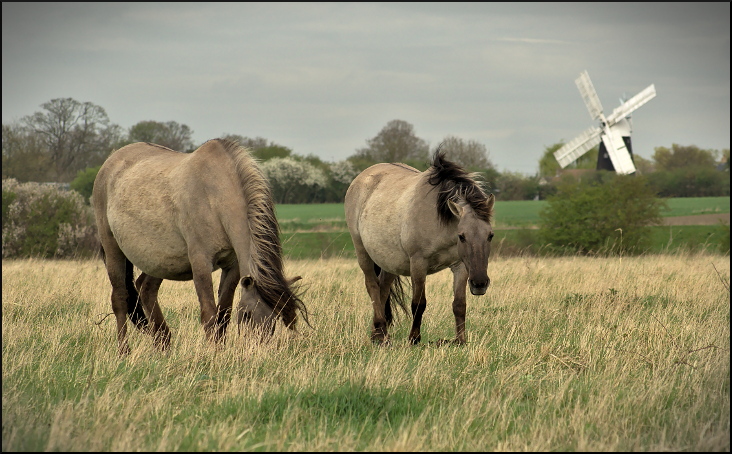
{"points": [[453, 182]]}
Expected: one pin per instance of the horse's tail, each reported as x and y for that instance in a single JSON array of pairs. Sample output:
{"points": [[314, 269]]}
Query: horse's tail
{"points": [[134, 307], [396, 294]]}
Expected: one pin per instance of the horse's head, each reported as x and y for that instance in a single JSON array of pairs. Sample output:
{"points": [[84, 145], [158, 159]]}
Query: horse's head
{"points": [[474, 243], [253, 313]]}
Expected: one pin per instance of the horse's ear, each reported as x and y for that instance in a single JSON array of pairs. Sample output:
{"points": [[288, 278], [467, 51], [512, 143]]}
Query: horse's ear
{"points": [[456, 208], [247, 281], [292, 280], [491, 201]]}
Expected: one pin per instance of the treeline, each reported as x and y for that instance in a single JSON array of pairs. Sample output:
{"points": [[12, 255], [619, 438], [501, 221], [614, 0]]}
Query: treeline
{"points": [[68, 140]]}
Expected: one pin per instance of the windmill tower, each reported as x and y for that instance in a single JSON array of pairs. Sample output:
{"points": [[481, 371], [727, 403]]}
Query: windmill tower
{"points": [[613, 134]]}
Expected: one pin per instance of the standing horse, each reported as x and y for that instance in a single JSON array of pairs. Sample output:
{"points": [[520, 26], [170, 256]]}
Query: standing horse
{"points": [[404, 222], [182, 216]]}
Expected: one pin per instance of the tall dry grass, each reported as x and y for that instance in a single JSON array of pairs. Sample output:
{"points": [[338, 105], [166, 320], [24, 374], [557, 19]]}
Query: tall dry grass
{"points": [[562, 354]]}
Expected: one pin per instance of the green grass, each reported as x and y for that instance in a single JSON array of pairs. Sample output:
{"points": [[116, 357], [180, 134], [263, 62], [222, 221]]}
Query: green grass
{"points": [[318, 217], [690, 206], [315, 245], [510, 242]]}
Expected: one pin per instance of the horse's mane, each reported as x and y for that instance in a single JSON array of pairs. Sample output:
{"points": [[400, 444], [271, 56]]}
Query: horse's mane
{"points": [[265, 255], [454, 182]]}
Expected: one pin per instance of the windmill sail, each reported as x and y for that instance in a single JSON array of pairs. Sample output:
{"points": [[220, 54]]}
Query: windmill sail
{"points": [[589, 95], [618, 152], [632, 104], [578, 146]]}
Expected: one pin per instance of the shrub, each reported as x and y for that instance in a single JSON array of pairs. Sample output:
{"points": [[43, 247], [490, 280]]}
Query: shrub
{"points": [[83, 183], [601, 213], [41, 220]]}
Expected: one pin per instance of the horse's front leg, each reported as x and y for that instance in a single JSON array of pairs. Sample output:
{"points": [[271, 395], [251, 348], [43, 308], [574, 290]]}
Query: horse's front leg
{"points": [[459, 285], [227, 287], [202, 269], [419, 299]]}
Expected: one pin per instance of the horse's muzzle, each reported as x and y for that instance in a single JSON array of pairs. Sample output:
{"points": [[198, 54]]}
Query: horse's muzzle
{"points": [[479, 287]]}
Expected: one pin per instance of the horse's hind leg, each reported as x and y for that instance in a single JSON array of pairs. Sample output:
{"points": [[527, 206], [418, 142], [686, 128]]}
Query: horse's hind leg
{"points": [[124, 294], [148, 287], [379, 331]]}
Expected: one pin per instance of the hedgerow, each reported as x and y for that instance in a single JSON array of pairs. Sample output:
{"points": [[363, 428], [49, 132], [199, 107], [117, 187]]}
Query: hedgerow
{"points": [[42, 220]]}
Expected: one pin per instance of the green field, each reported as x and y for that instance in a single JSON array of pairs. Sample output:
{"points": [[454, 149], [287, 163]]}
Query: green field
{"points": [[520, 213], [320, 231]]}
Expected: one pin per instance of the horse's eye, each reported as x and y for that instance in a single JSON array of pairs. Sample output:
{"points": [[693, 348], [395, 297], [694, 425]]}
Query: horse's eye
{"points": [[490, 237], [461, 237]]}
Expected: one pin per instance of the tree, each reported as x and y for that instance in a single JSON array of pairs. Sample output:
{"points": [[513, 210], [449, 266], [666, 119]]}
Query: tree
{"points": [[396, 142], [260, 148], [288, 177], [24, 156], [169, 134], [642, 165], [75, 135], [680, 157], [688, 171], [246, 142], [516, 186], [548, 165], [343, 172], [470, 154]]}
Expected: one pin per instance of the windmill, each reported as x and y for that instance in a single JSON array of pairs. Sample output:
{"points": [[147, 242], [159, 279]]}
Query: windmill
{"points": [[613, 134]]}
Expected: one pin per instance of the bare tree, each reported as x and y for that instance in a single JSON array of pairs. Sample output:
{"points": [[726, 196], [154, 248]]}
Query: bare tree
{"points": [[169, 134], [394, 143], [248, 142], [467, 154], [76, 135], [259, 147], [24, 156]]}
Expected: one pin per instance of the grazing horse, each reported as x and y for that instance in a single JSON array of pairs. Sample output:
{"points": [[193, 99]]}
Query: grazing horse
{"points": [[181, 216], [404, 222]]}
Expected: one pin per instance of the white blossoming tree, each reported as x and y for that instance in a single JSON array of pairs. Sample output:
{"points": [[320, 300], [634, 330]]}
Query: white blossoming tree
{"points": [[343, 172], [287, 176]]}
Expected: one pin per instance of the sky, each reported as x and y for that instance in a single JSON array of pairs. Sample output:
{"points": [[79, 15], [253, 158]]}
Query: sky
{"points": [[324, 78]]}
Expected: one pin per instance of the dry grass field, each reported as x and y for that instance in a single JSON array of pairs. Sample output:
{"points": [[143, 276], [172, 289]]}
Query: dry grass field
{"points": [[574, 353]]}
